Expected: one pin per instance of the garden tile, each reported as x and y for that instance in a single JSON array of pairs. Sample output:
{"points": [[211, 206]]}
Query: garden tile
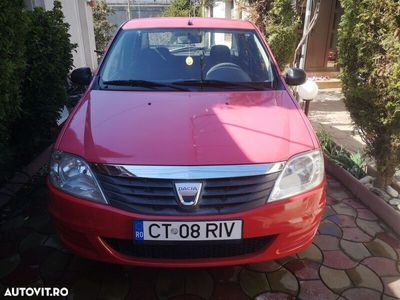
{"points": [[286, 259], [54, 266], [370, 227], [355, 235], [315, 290], [228, 291], [36, 255], [326, 242], [340, 194], [312, 253], [23, 275], [186, 297], [329, 228], [13, 223], [390, 240], [253, 283], [170, 283], [336, 280], [303, 269], [8, 249], [9, 264], [357, 251], [328, 211], [337, 259], [85, 288], [32, 240], [379, 248], [113, 286], [198, 283], [361, 293], [392, 286], [344, 209], [385, 297], [330, 200], [343, 220], [268, 266], [283, 281], [225, 274], [142, 284], [354, 203], [54, 242], [15, 235], [274, 296], [37, 222], [361, 276], [382, 266], [366, 214]]}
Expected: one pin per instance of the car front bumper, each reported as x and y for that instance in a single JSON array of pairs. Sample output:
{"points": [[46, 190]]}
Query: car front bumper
{"points": [[85, 227]]}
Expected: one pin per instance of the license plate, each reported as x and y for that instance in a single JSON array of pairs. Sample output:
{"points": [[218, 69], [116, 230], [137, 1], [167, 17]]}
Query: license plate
{"points": [[187, 231]]}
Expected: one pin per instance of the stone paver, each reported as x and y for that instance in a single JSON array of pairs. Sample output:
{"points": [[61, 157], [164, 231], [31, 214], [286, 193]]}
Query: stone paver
{"points": [[354, 256]]}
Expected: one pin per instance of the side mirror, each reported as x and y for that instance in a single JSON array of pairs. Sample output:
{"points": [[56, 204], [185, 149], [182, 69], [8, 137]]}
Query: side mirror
{"points": [[81, 76], [295, 76]]}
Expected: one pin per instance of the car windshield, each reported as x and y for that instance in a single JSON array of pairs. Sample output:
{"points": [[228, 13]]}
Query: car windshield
{"points": [[187, 59]]}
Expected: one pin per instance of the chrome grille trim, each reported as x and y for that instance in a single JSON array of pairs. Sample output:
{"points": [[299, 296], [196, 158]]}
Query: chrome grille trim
{"points": [[188, 172]]}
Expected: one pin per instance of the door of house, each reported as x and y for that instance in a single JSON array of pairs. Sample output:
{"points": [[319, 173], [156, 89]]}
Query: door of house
{"points": [[321, 51]]}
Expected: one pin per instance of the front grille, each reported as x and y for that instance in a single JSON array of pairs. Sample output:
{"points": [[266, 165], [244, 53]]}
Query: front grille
{"points": [[158, 196], [189, 250]]}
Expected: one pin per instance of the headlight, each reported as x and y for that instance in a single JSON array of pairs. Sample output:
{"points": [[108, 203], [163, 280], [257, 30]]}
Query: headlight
{"points": [[72, 175], [301, 173]]}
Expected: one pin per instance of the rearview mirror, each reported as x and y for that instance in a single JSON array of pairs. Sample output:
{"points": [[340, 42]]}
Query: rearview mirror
{"points": [[81, 76], [295, 76]]}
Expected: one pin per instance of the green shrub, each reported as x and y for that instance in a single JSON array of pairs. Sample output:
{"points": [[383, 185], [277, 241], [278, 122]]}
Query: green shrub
{"points": [[281, 31], [48, 63], [278, 20], [354, 163], [103, 29], [12, 65], [369, 47], [181, 8]]}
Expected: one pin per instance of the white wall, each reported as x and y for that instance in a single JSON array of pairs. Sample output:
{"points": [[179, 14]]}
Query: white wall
{"points": [[78, 14]]}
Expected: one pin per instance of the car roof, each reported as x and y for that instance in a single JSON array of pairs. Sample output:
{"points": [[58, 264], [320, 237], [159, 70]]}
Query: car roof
{"points": [[183, 22]]}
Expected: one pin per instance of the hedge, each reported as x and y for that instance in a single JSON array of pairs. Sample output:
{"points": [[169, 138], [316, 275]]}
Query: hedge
{"points": [[369, 54], [35, 59], [12, 66]]}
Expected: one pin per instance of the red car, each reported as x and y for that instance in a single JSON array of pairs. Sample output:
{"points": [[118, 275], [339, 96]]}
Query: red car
{"points": [[187, 150]]}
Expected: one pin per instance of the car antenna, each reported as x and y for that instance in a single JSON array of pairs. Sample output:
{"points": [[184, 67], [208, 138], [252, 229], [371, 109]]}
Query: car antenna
{"points": [[190, 23]]}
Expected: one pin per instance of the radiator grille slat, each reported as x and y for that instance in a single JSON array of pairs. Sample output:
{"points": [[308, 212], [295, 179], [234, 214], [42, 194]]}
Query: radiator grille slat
{"points": [[158, 196]]}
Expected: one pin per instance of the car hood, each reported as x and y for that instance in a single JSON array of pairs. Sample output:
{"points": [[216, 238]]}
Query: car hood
{"points": [[186, 128]]}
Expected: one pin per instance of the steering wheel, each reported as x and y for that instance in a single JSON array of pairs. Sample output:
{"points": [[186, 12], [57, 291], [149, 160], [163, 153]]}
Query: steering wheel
{"points": [[227, 72]]}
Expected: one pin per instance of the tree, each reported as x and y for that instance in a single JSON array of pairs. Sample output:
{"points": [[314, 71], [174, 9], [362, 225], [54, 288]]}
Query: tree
{"points": [[369, 47], [182, 8], [278, 21], [103, 29]]}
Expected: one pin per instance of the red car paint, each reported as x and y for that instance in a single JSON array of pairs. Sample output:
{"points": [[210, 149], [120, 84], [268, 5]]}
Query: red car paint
{"points": [[187, 129]]}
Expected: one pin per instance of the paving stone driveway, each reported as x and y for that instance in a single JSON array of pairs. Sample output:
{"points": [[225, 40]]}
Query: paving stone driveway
{"points": [[354, 256]]}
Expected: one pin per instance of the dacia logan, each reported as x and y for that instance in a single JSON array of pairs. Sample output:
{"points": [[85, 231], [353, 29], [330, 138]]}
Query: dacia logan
{"points": [[187, 150]]}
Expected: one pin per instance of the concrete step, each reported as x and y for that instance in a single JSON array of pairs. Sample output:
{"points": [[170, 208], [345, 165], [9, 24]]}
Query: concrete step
{"points": [[329, 84]]}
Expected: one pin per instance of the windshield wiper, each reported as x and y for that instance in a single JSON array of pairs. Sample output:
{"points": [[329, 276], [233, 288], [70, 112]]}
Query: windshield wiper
{"points": [[258, 86], [143, 83], [186, 48]]}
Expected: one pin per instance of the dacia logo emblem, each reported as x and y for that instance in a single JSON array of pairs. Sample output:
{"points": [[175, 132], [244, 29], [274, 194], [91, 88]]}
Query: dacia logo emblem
{"points": [[188, 193]]}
